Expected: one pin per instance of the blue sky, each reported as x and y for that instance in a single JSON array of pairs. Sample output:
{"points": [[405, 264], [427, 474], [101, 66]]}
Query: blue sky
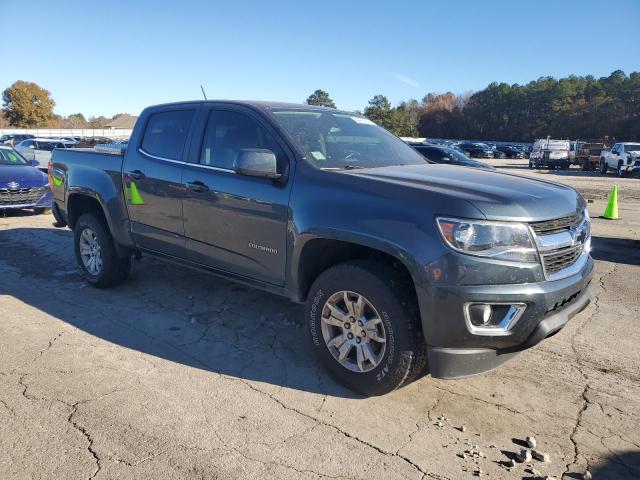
{"points": [[110, 57]]}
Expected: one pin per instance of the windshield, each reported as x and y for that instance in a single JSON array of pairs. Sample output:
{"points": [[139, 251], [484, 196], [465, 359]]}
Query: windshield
{"points": [[555, 145], [343, 141], [11, 157]]}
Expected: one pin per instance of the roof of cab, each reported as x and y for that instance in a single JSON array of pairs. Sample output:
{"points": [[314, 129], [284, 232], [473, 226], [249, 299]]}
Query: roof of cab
{"points": [[258, 104]]}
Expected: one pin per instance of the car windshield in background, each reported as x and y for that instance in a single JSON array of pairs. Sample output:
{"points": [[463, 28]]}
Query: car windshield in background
{"points": [[11, 157], [632, 147], [343, 141]]}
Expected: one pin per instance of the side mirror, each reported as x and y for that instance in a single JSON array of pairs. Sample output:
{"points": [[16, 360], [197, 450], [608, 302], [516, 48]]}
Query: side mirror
{"points": [[34, 163], [257, 162]]}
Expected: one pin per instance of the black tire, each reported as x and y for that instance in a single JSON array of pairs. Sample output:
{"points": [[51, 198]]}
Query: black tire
{"points": [[405, 356], [530, 164], [586, 164], [603, 167], [114, 270]]}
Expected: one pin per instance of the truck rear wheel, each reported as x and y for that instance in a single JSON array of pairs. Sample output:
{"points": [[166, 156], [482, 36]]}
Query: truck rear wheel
{"points": [[603, 167], [365, 327], [96, 253]]}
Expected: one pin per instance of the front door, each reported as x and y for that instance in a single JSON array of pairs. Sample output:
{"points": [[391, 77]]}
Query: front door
{"points": [[152, 181], [233, 222]]}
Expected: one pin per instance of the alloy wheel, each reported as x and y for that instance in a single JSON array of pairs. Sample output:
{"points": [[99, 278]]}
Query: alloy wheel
{"points": [[353, 331], [90, 251]]}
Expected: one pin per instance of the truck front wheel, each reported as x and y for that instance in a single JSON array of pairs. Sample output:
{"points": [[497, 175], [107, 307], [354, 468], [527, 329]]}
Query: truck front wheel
{"points": [[96, 254], [365, 328]]}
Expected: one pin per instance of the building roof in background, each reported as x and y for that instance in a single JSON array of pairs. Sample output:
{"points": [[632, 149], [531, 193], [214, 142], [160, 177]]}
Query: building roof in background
{"points": [[123, 121]]}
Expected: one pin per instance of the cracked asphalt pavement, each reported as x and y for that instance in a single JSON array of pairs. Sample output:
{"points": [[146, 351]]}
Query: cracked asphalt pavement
{"points": [[180, 375]]}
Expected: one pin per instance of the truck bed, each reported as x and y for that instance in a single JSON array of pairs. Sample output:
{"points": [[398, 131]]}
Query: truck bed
{"points": [[97, 175]]}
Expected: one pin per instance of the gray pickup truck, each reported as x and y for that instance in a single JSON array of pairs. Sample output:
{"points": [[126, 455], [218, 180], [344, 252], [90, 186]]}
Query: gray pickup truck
{"points": [[405, 267]]}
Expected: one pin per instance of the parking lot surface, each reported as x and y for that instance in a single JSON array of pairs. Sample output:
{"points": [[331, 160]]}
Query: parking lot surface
{"points": [[181, 375]]}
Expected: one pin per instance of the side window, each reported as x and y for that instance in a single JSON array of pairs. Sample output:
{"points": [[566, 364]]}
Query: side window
{"points": [[432, 154], [615, 148], [166, 133], [27, 144], [229, 132]]}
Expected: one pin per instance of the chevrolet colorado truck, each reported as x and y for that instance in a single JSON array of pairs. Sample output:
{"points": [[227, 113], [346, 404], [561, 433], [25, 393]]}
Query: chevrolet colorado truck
{"points": [[405, 267]]}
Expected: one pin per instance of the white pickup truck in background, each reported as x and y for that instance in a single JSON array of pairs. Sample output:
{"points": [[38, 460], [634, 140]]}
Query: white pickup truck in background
{"points": [[623, 158]]}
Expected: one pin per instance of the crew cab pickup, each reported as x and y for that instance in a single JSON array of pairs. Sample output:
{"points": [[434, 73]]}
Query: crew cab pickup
{"points": [[623, 158], [405, 267]]}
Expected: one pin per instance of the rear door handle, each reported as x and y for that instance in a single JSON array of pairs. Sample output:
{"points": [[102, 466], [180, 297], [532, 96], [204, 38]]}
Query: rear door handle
{"points": [[137, 175], [197, 186]]}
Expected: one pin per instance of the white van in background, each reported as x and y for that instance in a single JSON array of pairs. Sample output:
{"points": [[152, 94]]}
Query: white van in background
{"points": [[550, 154]]}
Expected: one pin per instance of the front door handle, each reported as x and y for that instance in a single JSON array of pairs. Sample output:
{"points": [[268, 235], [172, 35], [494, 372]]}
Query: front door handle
{"points": [[137, 175], [197, 187]]}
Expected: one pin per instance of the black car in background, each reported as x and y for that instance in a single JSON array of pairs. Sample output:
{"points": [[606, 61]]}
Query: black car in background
{"points": [[510, 151], [450, 156], [478, 150], [498, 153]]}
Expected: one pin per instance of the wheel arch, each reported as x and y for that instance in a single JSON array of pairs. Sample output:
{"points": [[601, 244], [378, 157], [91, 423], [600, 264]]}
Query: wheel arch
{"points": [[316, 254], [79, 203]]}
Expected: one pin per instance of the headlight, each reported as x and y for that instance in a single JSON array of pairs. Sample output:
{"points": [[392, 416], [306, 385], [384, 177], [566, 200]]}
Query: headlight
{"points": [[501, 241]]}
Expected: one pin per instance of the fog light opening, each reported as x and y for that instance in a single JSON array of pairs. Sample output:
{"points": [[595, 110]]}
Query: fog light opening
{"points": [[492, 318]]}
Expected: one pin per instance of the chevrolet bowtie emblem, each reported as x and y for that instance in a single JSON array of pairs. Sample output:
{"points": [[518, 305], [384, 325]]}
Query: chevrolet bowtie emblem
{"points": [[13, 185]]}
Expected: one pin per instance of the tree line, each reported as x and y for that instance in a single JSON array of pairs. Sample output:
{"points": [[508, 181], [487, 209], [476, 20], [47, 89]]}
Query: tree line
{"points": [[574, 107], [28, 105]]}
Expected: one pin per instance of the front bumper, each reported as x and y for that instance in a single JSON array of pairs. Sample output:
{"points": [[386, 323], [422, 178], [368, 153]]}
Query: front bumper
{"points": [[46, 201], [551, 163], [453, 351], [631, 169]]}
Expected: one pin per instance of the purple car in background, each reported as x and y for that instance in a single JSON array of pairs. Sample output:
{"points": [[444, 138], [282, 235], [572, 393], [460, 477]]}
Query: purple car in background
{"points": [[21, 184]]}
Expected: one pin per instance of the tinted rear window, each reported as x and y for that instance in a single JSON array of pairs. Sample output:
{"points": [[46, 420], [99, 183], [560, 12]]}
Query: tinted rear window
{"points": [[166, 133]]}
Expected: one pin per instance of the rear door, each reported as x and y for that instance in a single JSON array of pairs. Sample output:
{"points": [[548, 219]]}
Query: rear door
{"points": [[233, 222], [152, 179]]}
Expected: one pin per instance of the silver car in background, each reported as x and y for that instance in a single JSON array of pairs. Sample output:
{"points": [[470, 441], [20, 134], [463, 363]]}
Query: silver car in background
{"points": [[39, 149]]}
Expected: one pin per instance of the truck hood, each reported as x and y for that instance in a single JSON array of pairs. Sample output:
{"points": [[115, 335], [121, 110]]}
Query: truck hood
{"points": [[499, 196], [25, 176]]}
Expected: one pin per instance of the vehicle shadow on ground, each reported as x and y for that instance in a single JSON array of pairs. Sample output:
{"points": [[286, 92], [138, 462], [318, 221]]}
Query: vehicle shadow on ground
{"points": [[169, 312], [616, 250], [621, 465]]}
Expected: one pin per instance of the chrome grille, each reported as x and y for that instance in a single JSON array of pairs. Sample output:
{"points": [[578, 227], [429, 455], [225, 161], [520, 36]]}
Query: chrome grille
{"points": [[557, 224], [561, 258], [20, 196], [561, 242]]}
